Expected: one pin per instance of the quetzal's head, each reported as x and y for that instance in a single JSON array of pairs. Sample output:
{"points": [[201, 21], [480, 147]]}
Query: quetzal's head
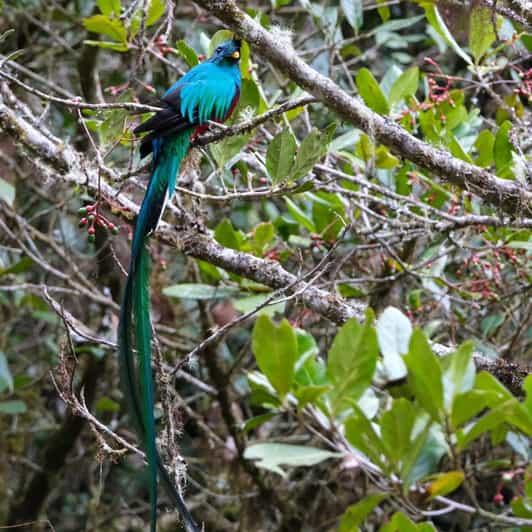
{"points": [[227, 52]]}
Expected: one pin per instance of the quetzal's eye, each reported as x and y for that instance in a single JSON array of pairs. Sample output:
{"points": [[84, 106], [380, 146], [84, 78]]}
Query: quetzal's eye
{"points": [[218, 50]]}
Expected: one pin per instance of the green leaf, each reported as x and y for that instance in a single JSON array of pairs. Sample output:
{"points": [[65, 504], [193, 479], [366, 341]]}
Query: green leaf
{"points": [[112, 27], [328, 213], [280, 156], [257, 421], [405, 85], [353, 12], [393, 333], [263, 234], [481, 32], [155, 12], [199, 291], [352, 360], [396, 428], [356, 514], [370, 92], [484, 146], [503, 151], [226, 235], [275, 350], [23, 265], [435, 20], [109, 7], [6, 379], [507, 412], [467, 405], [460, 376], [310, 152], [361, 435], [401, 523], [384, 159], [300, 216], [7, 192], [245, 304], [424, 375], [271, 456], [445, 483], [310, 394], [13, 407], [106, 404], [187, 53]]}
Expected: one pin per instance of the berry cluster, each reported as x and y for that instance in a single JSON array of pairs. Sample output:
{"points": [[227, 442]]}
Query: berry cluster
{"points": [[92, 219]]}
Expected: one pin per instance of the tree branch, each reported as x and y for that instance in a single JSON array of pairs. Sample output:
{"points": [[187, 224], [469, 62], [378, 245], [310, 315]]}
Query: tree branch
{"points": [[508, 195]]}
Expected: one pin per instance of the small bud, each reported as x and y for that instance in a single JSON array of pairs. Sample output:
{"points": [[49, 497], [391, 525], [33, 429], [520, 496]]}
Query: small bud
{"points": [[498, 499], [91, 239], [115, 230], [83, 222], [82, 211], [91, 231], [91, 218]]}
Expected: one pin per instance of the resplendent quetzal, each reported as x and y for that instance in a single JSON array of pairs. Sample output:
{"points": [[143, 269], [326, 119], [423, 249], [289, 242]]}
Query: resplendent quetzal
{"points": [[208, 92]]}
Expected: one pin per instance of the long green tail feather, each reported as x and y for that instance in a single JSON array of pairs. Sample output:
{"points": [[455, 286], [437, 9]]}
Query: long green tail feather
{"points": [[136, 303]]}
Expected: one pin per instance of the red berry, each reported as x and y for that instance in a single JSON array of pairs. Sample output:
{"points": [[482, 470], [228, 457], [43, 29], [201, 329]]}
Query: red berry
{"points": [[91, 231]]}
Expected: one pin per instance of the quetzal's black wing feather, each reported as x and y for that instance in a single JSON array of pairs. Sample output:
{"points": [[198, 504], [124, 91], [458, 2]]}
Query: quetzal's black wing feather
{"points": [[168, 121]]}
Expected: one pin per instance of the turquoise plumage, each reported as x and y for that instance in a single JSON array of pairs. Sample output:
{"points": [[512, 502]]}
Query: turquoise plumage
{"points": [[210, 91]]}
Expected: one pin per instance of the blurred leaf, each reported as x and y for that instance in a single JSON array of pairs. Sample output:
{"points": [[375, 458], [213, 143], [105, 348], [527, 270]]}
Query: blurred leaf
{"points": [[226, 235], [393, 333], [300, 216], [310, 394], [106, 404], [328, 213], [356, 514], [424, 374], [461, 373], [353, 12], [310, 152], [245, 304], [275, 350], [352, 360], [187, 53], [112, 27], [271, 456], [13, 407], [6, 379], [491, 323], [481, 32], [263, 234], [403, 433], [199, 291], [484, 146], [7, 192], [405, 85], [361, 435], [156, 10], [257, 421], [23, 265], [503, 151], [109, 7], [280, 156], [370, 92], [384, 159], [445, 483], [435, 20], [400, 523]]}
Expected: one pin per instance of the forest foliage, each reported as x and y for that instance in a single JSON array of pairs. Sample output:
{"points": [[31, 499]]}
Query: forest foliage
{"points": [[343, 334]]}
